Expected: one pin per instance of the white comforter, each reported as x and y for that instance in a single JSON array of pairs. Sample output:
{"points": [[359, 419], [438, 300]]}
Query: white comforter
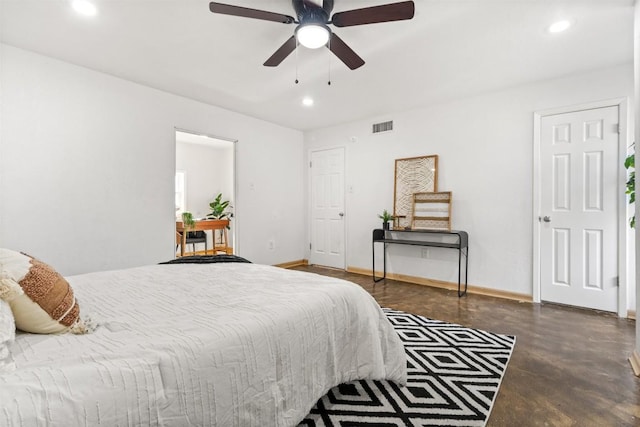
{"points": [[215, 344]]}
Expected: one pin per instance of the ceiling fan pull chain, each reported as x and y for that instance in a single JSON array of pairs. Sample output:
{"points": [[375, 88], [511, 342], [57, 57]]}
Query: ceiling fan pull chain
{"points": [[297, 48], [329, 56]]}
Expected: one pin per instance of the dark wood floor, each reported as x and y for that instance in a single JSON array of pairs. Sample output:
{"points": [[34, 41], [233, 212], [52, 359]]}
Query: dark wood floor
{"points": [[569, 367]]}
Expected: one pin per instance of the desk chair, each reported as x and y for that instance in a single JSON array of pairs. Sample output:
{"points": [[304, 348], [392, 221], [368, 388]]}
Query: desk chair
{"points": [[192, 238]]}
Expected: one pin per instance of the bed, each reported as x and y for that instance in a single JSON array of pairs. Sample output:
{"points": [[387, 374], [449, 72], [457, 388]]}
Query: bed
{"points": [[224, 344]]}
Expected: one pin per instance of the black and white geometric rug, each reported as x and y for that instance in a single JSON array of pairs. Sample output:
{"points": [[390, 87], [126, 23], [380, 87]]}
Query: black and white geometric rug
{"points": [[454, 374]]}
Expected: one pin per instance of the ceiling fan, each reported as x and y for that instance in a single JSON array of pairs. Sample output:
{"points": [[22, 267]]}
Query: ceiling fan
{"points": [[313, 20]]}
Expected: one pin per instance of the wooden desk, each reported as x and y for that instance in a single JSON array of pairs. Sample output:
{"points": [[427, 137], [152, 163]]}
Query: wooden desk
{"points": [[202, 225]]}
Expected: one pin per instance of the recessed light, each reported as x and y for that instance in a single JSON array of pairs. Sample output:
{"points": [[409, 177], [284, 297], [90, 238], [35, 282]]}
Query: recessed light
{"points": [[84, 7], [307, 101], [560, 26]]}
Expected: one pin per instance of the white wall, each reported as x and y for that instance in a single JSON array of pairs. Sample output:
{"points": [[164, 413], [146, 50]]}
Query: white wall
{"points": [[87, 166], [485, 149]]}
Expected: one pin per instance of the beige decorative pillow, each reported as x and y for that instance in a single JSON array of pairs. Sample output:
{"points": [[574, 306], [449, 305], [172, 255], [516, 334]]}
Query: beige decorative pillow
{"points": [[41, 299]]}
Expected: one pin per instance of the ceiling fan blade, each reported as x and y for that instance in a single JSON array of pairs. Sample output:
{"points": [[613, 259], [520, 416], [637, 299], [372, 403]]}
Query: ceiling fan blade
{"points": [[280, 54], [227, 9], [375, 14], [345, 53]]}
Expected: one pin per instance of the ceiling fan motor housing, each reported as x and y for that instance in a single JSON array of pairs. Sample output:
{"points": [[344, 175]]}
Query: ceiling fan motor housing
{"points": [[310, 13]]}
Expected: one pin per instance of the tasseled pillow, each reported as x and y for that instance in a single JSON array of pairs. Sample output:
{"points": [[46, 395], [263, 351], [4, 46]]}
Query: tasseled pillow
{"points": [[41, 300]]}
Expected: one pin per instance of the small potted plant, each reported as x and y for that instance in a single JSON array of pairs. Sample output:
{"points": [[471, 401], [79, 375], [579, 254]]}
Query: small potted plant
{"points": [[187, 220], [386, 217]]}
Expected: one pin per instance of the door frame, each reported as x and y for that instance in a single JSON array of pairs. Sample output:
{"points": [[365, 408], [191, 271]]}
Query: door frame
{"points": [[623, 142], [235, 229], [310, 199]]}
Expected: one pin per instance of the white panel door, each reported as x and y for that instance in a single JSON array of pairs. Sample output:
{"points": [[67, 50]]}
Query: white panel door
{"points": [[578, 201], [327, 208]]}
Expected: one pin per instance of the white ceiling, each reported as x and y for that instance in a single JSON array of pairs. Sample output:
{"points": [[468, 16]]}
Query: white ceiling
{"points": [[452, 48]]}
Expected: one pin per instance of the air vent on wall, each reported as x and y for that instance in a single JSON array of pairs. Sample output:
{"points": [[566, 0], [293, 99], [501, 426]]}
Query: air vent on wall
{"points": [[383, 127]]}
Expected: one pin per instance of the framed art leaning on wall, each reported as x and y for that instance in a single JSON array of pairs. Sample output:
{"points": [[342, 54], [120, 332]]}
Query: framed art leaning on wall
{"points": [[412, 175]]}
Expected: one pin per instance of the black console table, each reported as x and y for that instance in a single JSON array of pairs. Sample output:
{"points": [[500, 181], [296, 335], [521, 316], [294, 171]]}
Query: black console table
{"points": [[461, 244]]}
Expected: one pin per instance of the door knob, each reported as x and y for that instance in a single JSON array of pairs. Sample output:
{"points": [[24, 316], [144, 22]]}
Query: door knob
{"points": [[341, 214], [546, 218]]}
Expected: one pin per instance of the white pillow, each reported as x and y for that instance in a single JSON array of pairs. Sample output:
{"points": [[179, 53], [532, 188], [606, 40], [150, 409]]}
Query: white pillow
{"points": [[7, 335]]}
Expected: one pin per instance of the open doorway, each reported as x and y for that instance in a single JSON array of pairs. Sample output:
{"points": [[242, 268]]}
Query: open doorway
{"points": [[205, 172]]}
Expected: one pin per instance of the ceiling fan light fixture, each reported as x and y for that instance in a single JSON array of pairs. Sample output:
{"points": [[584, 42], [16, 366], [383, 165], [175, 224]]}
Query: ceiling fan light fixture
{"points": [[312, 36]]}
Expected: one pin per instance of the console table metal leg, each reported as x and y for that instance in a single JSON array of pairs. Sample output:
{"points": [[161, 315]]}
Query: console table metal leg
{"points": [[384, 258], [466, 271], [384, 263], [373, 263], [459, 270]]}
